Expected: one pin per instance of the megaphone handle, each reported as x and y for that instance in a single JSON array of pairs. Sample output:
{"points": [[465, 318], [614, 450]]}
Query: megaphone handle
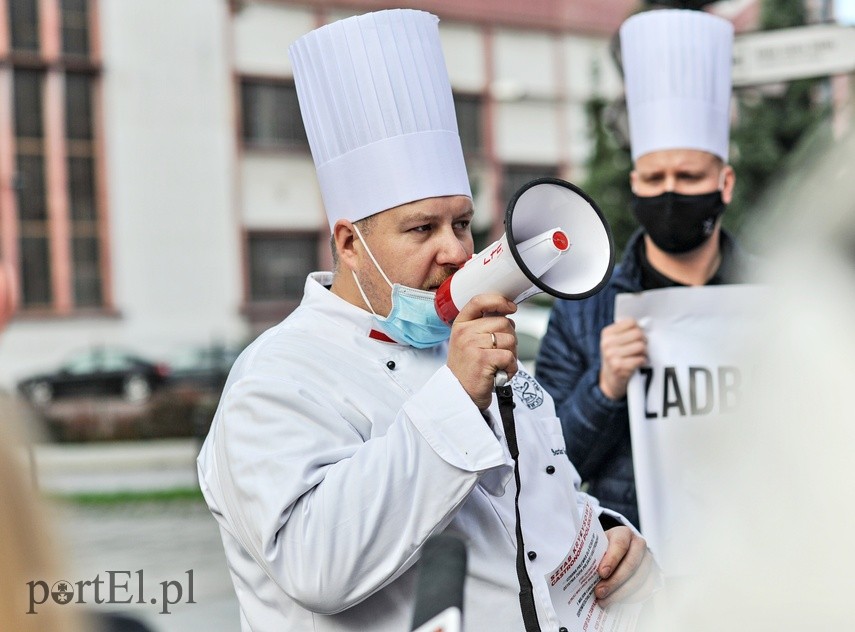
{"points": [[500, 379]]}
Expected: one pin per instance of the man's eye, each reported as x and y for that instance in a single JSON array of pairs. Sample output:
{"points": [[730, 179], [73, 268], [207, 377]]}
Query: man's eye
{"points": [[462, 224], [421, 229]]}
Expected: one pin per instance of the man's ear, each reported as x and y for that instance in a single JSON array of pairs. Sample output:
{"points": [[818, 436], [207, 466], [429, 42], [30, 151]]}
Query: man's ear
{"points": [[345, 239], [729, 183], [633, 177]]}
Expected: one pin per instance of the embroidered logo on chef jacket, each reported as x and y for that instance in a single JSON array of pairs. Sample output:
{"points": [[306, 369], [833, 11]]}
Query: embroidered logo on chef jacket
{"points": [[527, 389]]}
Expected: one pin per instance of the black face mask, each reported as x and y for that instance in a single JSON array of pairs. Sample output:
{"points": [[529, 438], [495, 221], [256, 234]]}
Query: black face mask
{"points": [[678, 223]]}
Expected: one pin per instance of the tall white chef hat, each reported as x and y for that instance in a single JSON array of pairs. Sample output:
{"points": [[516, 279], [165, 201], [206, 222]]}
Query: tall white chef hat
{"points": [[677, 66], [376, 102]]}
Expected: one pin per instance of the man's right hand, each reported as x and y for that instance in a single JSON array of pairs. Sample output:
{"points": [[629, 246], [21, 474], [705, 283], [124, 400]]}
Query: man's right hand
{"points": [[471, 355], [623, 349]]}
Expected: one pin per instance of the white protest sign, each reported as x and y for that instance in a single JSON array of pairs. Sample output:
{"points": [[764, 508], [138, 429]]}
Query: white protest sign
{"points": [[695, 380]]}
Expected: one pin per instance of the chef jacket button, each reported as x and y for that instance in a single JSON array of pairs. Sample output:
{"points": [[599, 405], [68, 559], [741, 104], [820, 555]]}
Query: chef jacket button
{"points": [[532, 555], [390, 365], [550, 469]]}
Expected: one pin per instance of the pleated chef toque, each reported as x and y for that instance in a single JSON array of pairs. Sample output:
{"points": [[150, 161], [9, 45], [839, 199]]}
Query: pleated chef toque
{"points": [[677, 75], [377, 106]]}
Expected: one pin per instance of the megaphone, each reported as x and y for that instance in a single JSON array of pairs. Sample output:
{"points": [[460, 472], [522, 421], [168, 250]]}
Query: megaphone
{"points": [[556, 241]]}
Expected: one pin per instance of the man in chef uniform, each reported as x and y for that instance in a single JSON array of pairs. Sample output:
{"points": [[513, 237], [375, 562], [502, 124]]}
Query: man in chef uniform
{"points": [[361, 425]]}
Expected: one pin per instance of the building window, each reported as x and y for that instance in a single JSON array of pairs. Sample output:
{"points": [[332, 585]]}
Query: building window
{"points": [[82, 192], [30, 188], [56, 215], [75, 27], [271, 115], [24, 24], [514, 176], [469, 122], [279, 264]]}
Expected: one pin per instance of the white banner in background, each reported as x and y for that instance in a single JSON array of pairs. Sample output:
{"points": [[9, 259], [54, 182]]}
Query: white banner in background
{"points": [[697, 374]]}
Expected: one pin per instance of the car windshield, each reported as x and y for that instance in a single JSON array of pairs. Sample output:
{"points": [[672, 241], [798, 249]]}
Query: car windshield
{"points": [[99, 360], [85, 363], [203, 357], [116, 362]]}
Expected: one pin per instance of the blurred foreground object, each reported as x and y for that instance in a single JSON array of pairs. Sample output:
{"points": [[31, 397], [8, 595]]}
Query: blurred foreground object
{"points": [[8, 294], [779, 545], [26, 550]]}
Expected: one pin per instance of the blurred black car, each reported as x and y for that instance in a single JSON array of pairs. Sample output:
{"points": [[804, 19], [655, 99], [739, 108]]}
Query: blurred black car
{"points": [[202, 369], [197, 378], [100, 371]]}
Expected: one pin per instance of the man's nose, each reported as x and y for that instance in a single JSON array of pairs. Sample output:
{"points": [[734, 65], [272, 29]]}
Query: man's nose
{"points": [[452, 250], [670, 183]]}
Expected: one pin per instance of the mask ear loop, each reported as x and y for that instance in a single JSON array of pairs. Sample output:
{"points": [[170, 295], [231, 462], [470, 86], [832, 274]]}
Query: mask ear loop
{"points": [[362, 293], [413, 292], [376, 265], [370, 254]]}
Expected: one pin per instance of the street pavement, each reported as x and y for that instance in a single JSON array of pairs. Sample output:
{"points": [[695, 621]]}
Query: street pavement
{"points": [[153, 546], [120, 466]]}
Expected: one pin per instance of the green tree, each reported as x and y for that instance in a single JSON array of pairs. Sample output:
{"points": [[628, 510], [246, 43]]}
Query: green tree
{"points": [[608, 168], [771, 121]]}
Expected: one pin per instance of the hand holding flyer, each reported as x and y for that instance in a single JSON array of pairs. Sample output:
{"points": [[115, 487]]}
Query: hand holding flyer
{"points": [[572, 582]]}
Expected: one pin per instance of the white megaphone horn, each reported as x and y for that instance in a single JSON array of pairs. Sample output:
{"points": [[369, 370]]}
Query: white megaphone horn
{"points": [[556, 241]]}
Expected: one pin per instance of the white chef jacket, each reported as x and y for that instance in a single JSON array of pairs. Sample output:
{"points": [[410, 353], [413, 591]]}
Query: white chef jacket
{"points": [[333, 456]]}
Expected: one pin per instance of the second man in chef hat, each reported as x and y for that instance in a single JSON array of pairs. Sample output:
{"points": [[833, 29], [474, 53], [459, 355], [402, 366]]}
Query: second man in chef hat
{"points": [[677, 71]]}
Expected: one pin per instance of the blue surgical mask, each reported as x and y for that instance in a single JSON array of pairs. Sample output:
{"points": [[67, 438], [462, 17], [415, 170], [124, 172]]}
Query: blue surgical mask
{"points": [[413, 319]]}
